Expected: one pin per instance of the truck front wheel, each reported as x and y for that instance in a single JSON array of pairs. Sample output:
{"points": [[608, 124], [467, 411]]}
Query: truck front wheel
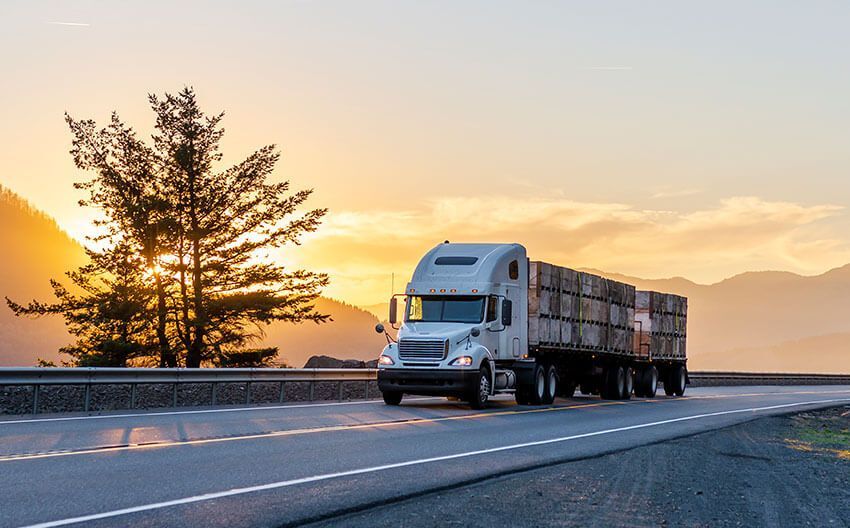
{"points": [[481, 393], [392, 397]]}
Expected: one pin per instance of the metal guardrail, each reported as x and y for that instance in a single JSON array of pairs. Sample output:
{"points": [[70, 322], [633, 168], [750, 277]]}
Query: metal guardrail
{"points": [[37, 377], [88, 375], [766, 377]]}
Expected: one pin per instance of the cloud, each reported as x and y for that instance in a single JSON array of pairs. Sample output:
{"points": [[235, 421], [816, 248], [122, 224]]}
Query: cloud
{"points": [[670, 193], [77, 24], [361, 249]]}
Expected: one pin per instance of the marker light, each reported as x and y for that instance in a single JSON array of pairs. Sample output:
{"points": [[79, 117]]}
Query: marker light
{"points": [[433, 290], [442, 290], [474, 290], [462, 361], [412, 290], [385, 360], [453, 290]]}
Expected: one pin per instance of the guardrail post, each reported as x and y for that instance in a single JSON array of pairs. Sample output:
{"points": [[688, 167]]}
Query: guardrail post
{"points": [[339, 391], [214, 391], [132, 395], [282, 393], [312, 384], [174, 396], [365, 390], [35, 399], [247, 393], [88, 397]]}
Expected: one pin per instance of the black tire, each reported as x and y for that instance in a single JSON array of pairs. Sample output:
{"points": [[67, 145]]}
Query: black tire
{"points": [[480, 394], [612, 385], [640, 383], [628, 384], [537, 389], [650, 379], [392, 397], [522, 397], [553, 382], [668, 383], [678, 380]]}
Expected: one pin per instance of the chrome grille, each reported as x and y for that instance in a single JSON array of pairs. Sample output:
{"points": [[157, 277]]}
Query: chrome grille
{"points": [[422, 349]]}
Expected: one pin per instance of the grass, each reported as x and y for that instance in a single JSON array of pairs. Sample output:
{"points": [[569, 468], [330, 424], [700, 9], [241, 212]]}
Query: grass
{"points": [[825, 433]]}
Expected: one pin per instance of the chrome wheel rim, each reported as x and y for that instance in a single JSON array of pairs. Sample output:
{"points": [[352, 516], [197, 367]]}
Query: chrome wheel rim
{"points": [[483, 388], [553, 381], [541, 384]]}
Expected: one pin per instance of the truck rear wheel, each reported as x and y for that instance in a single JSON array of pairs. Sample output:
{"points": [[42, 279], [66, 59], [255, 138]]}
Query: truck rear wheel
{"points": [[481, 392], [392, 397], [537, 389]]}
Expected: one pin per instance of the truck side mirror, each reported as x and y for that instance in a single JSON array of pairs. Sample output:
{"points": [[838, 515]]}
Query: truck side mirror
{"points": [[379, 328], [507, 312], [393, 310]]}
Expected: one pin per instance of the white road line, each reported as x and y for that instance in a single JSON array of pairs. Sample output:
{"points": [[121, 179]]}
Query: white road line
{"points": [[202, 411], [373, 469]]}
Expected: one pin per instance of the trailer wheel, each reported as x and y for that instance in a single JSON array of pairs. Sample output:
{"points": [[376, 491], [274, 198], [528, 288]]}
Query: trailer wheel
{"points": [[650, 381], [640, 381], [481, 393], [668, 382], [553, 383], [628, 384], [679, 375], [392, 397], [613, 383]]}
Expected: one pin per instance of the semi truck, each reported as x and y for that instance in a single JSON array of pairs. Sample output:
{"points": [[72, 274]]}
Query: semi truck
{"points": [[482, 319]]}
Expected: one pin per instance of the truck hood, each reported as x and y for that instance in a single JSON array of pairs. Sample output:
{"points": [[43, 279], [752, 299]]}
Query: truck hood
{"points": [[452, 331]]}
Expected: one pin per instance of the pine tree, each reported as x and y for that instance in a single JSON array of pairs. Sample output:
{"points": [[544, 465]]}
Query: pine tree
{"points": [[186, 275], [226, 222]]}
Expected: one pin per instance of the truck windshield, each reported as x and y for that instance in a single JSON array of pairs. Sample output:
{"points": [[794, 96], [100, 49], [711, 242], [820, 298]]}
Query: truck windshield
{"points": [[445, 309]]}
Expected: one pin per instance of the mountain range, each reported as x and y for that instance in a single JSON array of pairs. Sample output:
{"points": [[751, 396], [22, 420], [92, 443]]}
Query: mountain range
{"points": [[767, 320]]}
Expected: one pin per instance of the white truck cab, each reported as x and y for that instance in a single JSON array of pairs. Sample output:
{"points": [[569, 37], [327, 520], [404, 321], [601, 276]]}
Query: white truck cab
{"points": [[463, 312]]}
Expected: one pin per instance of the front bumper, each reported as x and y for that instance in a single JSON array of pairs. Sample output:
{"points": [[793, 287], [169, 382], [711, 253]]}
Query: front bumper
{"points": [[428, 382]]}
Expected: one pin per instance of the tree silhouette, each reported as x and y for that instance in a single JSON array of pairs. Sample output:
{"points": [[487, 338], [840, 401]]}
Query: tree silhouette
{"points": [[198, 241]]}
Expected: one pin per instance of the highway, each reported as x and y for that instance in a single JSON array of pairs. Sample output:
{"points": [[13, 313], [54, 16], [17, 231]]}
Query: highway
{"points": [[291, 464]]}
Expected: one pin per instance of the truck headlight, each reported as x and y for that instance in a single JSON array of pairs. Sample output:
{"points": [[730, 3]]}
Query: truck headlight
{"points": [[385, 360], [462, 361]]}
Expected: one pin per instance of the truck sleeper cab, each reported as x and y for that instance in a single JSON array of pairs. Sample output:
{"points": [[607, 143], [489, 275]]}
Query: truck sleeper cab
{"points": [[468, 313]]}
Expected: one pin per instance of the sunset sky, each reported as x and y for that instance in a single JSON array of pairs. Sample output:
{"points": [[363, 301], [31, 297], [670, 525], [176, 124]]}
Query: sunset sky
{"points": [[647, 138]]}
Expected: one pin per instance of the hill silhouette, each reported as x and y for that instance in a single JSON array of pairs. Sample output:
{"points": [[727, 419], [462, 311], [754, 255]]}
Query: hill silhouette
{"points": [[35, 249], [790, 321]]}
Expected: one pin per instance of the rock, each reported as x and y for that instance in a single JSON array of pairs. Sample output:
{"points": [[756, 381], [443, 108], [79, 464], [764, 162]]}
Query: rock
{"points": [[331, 362]]}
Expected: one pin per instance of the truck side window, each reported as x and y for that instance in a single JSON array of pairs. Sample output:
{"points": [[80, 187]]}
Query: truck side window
{"points": [[513, 270], [492, 302]]}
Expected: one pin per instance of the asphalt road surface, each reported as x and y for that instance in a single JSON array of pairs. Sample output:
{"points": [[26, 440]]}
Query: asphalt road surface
{"points": [[286, 465]]}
